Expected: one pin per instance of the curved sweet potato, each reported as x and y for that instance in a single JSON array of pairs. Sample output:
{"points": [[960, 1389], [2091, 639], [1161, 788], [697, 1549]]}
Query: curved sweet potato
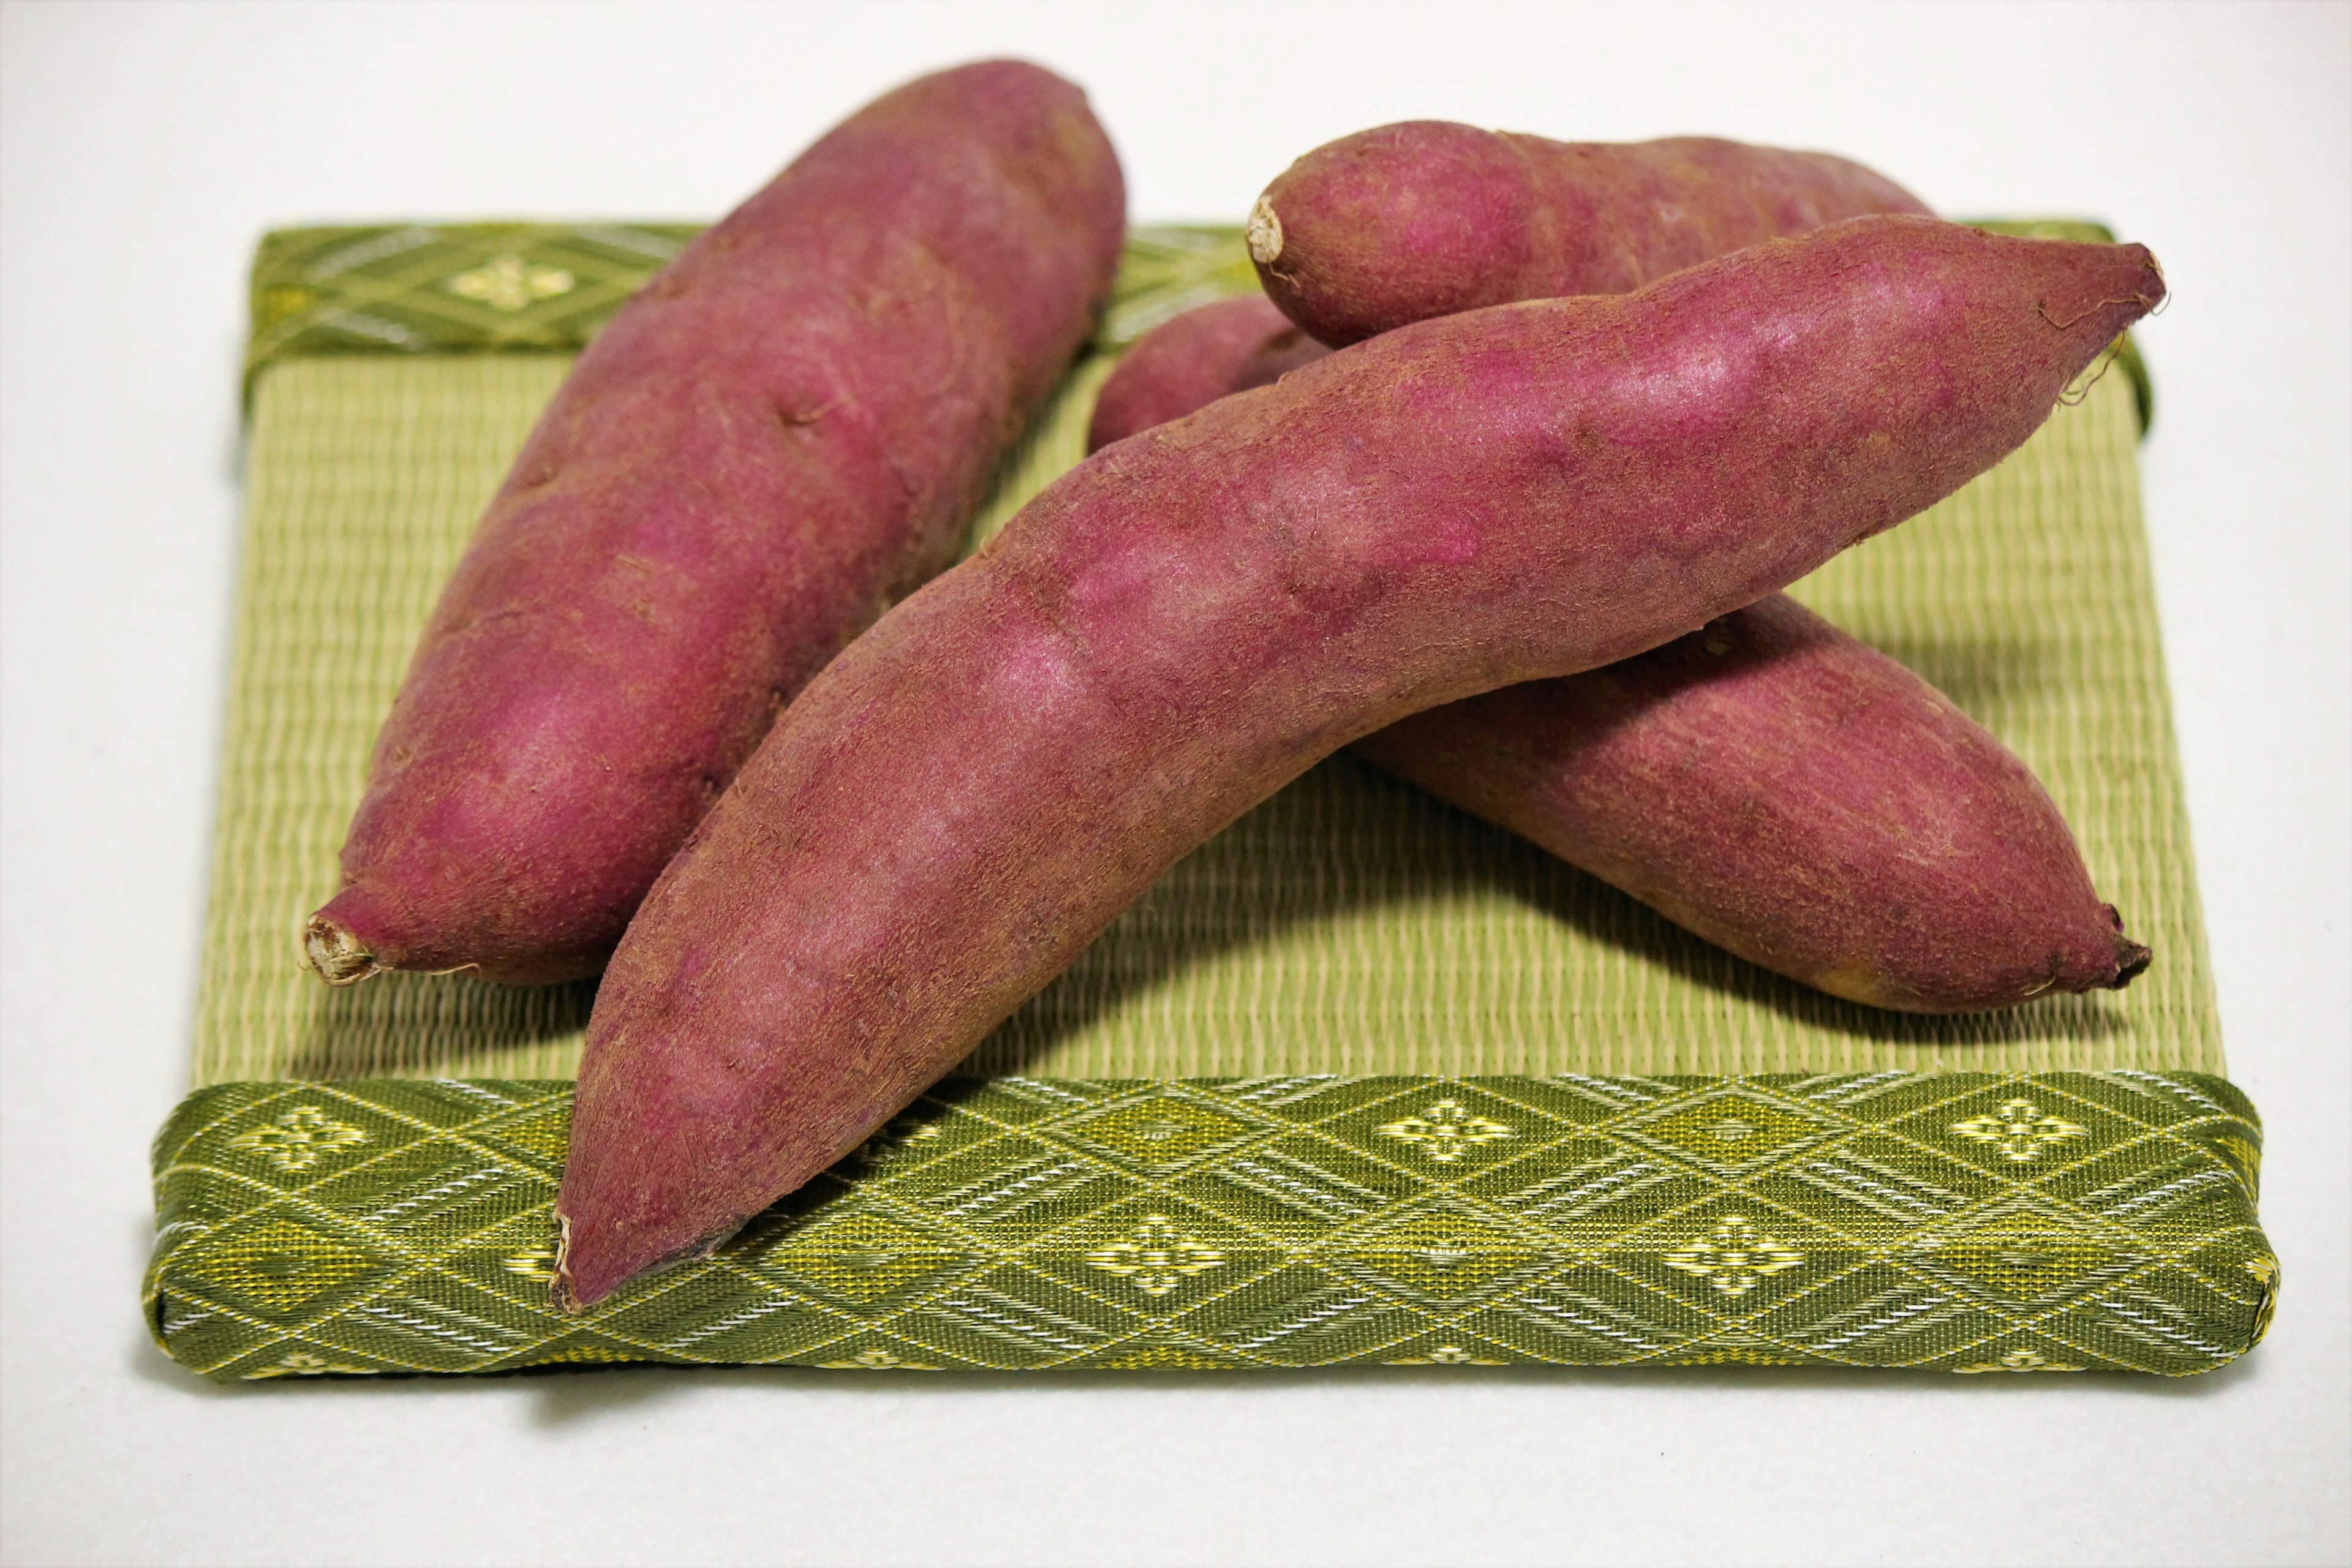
{"points": [[784, 431], [1192, 616], [1792, 794], [1404, 222], [1782, 789]]}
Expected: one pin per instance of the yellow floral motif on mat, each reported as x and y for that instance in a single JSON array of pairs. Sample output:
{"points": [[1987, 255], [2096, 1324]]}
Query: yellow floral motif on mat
{"points": [[1445, 1131], [299, 1139], [2021, 1130], [1734, 1256], [507, 283], [1157, 1257]]}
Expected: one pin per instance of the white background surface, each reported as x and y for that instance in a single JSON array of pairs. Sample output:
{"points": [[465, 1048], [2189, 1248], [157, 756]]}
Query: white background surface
{"points": [[144, 148]]}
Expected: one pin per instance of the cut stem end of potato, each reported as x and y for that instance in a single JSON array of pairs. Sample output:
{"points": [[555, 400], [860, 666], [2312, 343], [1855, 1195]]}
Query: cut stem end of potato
{"points": [[1264, 233]]}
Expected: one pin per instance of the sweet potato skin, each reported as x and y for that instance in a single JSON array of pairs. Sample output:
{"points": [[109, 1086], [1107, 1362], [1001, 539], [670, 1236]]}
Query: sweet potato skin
{"points": [[1784, 790], [1792, 794], [1193, 359], [786, 430], [1428, 218], [1194, 616]]}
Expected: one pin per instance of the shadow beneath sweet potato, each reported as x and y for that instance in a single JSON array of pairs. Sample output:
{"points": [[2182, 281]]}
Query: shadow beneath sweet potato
{"points": [[1352, 923], [425, 1026]]}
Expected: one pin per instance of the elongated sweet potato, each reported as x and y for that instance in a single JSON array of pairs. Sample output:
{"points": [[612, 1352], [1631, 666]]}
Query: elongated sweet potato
{"points": [[1794, 796], [1425, 218], [786, 430], [1784, 790], [1192, 616]]}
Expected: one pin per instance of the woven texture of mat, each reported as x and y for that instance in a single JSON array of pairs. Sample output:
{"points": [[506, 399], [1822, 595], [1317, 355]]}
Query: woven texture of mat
{"points": [[1363, 1079], [1349, 925], [1962, 1222]]}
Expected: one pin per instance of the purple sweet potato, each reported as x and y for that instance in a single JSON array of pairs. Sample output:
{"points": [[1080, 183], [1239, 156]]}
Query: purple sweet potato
{"points": [[1192, 616], [1782, 789], [1193, 359], [1792, 794], [1405, 222], [786, 430]]}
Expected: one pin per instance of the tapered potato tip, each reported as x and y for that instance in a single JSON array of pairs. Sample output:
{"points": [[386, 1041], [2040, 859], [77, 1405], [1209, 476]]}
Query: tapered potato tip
{"points": [[340, 957], [2132, 958], [572, 1294], [585, 1275], [560, 1290]]}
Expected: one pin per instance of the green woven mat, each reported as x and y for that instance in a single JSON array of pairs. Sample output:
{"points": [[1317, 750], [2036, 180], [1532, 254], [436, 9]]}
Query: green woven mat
{"points": [[1351, 926]]}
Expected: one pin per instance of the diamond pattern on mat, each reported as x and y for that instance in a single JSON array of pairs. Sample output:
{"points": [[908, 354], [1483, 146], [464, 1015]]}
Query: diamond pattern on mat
{"points": [[1238, 1223], [418, 288]]}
